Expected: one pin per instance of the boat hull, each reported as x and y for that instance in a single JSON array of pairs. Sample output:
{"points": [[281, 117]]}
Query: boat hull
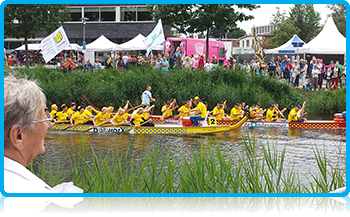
{"points": [[322, 124], [166, 129]]}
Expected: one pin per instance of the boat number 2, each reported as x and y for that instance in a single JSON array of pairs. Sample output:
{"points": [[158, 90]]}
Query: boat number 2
{"points": [[212, 121]]}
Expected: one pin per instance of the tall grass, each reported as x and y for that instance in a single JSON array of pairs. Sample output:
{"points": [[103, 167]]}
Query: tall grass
{"points": [[115, 87], [208, 171]]}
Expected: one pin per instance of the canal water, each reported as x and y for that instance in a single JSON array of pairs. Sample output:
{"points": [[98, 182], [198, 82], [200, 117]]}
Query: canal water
{"points": [[300, 145]]}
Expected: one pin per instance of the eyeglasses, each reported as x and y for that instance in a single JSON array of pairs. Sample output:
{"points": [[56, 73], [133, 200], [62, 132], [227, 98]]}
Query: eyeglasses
{"points": [[47, 120]]}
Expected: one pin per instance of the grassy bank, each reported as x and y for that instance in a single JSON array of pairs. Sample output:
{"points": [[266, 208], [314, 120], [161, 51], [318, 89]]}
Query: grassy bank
{"points": [[115, 87], [208, 171]]}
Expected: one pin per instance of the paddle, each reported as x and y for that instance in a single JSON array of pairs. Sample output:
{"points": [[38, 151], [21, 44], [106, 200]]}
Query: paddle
{"points": [[133, 127], [133, 108], [72, 126], [279, 111], [60, 120], [163, 115], [98, 125]]}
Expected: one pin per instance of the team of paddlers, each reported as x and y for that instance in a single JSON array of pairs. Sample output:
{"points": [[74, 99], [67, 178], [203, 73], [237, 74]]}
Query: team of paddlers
{"points": [[140, 115]]}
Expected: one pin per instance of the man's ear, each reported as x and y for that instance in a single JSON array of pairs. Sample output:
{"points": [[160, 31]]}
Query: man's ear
{"points": [[16, 137]]}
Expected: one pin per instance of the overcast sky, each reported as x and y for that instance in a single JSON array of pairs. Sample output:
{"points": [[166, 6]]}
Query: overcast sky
{"points": [[264, 14]]}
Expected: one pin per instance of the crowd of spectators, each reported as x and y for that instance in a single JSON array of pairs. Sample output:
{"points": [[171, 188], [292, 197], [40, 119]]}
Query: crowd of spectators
{"points": [[320, 75]]}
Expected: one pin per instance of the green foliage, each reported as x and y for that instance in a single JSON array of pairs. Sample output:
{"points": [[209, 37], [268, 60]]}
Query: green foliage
{"points": [[236, 33], [115, 87], [339, 16], [285, 29], [306, 19], [33, 18], [200, 18]]}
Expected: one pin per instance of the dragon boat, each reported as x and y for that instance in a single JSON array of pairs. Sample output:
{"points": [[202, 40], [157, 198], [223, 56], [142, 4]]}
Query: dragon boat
{"points": [[159, 128], [337, 123]]}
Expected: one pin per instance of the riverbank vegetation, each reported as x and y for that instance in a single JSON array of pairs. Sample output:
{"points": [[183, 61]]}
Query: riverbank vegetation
{"points": [[115, 87], [255, 169]]}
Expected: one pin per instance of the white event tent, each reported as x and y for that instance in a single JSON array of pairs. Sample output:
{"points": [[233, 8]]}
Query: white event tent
{"points": [[286, 47], [102, 44], [328, 41], [37, 47], [136, 43]]}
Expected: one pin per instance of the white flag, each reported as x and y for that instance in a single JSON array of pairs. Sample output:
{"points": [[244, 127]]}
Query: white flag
{"points": [[54, 43], [156, 37]]}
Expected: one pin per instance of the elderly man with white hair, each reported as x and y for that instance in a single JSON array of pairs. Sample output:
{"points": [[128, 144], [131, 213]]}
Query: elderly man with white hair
{"points": [[25, 126]]}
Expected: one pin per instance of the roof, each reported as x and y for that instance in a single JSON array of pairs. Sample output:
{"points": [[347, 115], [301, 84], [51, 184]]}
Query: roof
{"points": [[112, 30], [286, 47], [328, 41]]}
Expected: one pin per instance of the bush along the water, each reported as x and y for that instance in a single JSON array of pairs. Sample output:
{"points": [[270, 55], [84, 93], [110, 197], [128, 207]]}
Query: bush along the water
{"points": [[114, 87]]}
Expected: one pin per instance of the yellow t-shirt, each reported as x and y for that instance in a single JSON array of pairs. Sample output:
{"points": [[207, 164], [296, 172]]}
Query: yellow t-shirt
{"points": [[203, 109], [290, 116], [168, 112], [87, 113], [137, 119], [185, 109], [70, 111], [78, 118], [269, 115], [220, 116], [100, 118], [62, 117], [235, 111], [53, 113], [120, 119]]}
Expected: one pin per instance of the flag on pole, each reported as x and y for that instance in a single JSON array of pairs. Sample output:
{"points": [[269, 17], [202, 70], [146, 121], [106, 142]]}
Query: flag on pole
{"points": [[258, 51], [156, 37], [54, 43]]}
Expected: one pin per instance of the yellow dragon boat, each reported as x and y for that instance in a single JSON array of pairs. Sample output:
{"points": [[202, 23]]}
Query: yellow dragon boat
{"points": [[157, 129]]}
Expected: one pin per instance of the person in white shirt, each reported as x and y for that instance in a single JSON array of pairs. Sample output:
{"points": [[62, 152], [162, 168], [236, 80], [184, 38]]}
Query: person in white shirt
{"points": [[25, 126], [208, 66], [193, 62], [314, 74]]}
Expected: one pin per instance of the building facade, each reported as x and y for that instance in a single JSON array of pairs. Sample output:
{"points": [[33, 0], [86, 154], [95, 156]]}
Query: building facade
{"points": [[119, 23]]}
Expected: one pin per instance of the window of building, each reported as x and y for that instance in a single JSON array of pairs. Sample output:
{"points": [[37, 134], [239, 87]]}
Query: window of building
{"points": [[127, 13], [247, 43], [92, 13], [75, 13], [107, 14], [242, 43], [143, 14], [221, 52]]}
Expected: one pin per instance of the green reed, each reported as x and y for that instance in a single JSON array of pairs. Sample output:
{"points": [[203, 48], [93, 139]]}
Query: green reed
{"points": [[210, 170]]}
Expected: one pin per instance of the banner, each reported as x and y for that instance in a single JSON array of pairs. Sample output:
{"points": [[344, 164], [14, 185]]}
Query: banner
{"points": [[156, 37], [54, 43], [258, 51]]}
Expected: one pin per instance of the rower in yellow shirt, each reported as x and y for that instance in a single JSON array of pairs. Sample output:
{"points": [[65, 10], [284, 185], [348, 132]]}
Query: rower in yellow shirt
{"points": [[219, 112], [271, 114], [236, 112], [78, 117], [184, 110], [296, 113], [62, 116], [167, 109], [101, 117], [89, 115], [71, 109], [53, 110], [201, 110]]}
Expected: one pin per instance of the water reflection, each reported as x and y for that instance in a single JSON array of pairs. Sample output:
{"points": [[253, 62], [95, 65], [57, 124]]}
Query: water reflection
{"points": [[300, 145]]}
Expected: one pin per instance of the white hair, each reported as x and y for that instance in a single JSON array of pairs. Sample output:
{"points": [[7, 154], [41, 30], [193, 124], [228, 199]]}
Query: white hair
{"points": [[22, 101]]}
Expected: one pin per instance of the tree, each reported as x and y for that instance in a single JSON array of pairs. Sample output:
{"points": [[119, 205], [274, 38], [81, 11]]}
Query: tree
{"points": [[339, 16], [284, 31], [200, 18], [24, 20], [306, 19], [236, 33]]}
